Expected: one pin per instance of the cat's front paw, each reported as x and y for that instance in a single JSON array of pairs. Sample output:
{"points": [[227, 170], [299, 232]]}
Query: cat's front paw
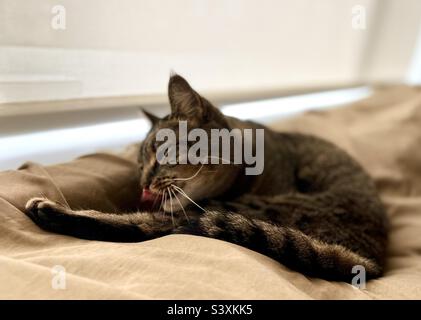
{"points": [[45, 213]]}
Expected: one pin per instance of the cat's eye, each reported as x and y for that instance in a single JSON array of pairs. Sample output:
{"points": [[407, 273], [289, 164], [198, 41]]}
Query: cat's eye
{"points": [[154, 146]]}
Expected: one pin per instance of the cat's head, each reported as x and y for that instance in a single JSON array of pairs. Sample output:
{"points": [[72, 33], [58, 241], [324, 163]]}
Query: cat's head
{"points": [[178, 182]]}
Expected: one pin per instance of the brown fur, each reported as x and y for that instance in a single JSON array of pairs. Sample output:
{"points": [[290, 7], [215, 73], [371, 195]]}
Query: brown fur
{"points": [[313, 208]]}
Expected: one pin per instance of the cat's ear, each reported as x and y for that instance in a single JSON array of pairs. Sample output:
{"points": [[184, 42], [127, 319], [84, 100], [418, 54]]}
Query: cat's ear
{"points": [[185, 102], [152, 118]]}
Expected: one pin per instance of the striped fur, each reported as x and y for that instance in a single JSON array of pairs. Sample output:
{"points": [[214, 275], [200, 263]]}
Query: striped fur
{"points": [[313, 209]]}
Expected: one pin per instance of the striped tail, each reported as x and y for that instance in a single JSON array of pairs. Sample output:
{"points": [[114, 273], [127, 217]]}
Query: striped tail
{"points": [[291, 247]]}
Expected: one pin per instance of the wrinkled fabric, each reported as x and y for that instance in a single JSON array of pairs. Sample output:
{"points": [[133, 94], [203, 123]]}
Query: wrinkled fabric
{"points": [[383, 133]]}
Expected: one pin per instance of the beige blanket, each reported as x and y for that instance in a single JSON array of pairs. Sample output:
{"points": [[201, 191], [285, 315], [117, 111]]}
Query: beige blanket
{"points": [[383, 133]]}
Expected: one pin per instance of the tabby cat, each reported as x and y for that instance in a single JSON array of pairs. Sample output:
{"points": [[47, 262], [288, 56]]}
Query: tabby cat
{"points": [[313, 208]]}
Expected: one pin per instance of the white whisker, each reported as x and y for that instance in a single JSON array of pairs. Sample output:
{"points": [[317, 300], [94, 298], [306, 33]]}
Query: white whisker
{"points": [[164, 203], [162, 200], [193, 176], [182, 207], [154, 201], [172, 215], [186, 196]]}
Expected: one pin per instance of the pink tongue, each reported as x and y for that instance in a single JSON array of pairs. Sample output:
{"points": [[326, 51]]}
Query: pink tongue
{"points": [[149, 199], [148, 195]]}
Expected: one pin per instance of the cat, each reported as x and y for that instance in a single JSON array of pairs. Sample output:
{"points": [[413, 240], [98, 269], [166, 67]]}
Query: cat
{"points": [[313, 209]]}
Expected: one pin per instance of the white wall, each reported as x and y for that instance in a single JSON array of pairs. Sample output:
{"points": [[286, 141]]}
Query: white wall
{"points": [[128, 47], [121, 47], [391, 47]]}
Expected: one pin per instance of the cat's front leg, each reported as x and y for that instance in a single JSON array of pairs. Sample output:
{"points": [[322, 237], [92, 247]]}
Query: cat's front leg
{"points": [[46, 213], [95, 225]]}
